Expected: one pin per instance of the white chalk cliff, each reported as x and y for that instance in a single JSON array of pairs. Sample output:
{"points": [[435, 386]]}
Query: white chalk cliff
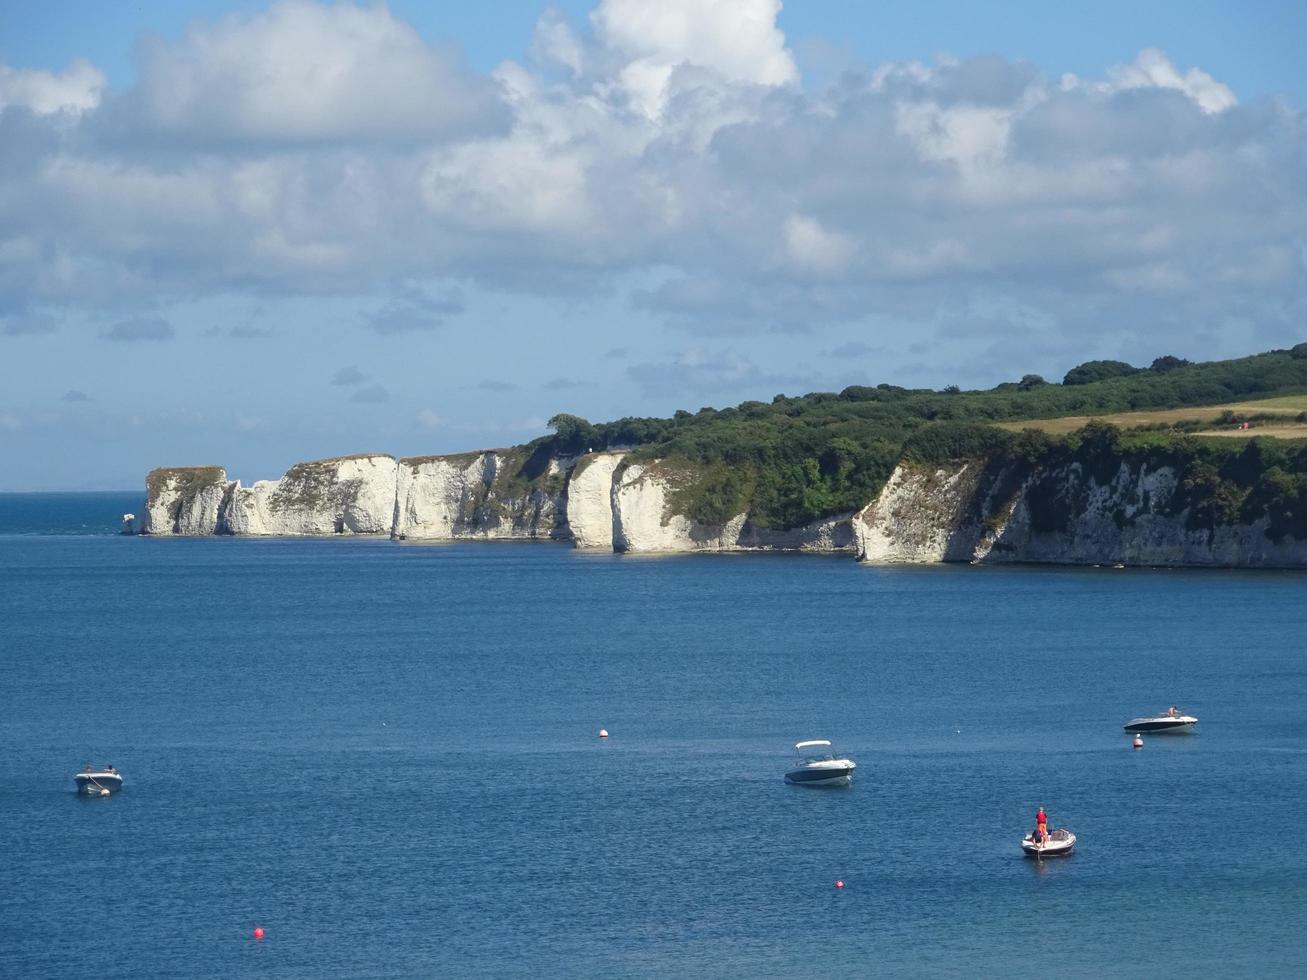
{"points": [[475, 495], [590, 500], [967, 511], [184, 500]]}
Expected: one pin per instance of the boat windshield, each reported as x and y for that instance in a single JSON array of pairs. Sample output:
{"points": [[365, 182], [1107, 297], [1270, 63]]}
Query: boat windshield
{"points": [[818, 750]]}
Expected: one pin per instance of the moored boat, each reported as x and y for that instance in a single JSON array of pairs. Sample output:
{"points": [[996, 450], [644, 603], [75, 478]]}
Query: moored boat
{"points": [[1171, 720], [98, 780], [1057, 843], [819, 766]]}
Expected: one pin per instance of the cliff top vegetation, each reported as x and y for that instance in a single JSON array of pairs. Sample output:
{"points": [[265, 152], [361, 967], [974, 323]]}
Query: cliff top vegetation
{"points": [[799, 459]]}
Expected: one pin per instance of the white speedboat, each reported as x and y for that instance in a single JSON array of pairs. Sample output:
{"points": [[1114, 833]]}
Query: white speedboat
{"points": [[98, 780], [1168, 721], [1058, 843], [819, 766]]}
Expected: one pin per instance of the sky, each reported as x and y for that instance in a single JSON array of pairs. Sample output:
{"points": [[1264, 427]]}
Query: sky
{"points": [[253, 233]]}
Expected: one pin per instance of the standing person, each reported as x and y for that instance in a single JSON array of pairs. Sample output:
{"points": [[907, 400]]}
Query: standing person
{"points": [[1041, 825]]}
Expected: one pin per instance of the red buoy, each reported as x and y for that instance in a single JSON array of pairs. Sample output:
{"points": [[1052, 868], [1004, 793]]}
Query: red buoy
{"points": [[258, 933], [839, 883]]}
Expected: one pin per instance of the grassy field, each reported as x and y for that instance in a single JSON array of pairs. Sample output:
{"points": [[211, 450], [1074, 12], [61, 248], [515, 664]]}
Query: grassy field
{"points": [[1287, 405]]}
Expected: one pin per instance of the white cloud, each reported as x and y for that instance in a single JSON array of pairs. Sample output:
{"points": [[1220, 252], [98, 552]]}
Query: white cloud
{"points": [[77, 89], [555, 43], [306, 71], [736, 39], [971, 136], [810, 246], [674, 149], [1152, 69]]}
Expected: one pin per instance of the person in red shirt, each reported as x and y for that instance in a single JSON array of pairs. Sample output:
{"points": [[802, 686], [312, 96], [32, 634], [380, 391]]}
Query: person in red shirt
{"points": [[1041, 825]]}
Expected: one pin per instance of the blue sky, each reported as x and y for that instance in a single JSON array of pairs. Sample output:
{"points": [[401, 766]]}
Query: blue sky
{"points": [[253, 233]]}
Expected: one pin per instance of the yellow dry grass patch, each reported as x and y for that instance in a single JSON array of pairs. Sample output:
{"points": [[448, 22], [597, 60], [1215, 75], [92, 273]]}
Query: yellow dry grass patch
{"points": [[1295, 431], [1286, 405]]}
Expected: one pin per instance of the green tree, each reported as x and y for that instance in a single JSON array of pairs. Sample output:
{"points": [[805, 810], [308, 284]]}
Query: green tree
{"points": [[1091, 371], [572, 434]]}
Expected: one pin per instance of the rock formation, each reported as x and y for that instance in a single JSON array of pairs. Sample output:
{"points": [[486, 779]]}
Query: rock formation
{"points": [[966, 511]]}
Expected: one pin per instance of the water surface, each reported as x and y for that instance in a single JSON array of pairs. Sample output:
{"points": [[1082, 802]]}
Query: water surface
{"points": [[385, 755]]}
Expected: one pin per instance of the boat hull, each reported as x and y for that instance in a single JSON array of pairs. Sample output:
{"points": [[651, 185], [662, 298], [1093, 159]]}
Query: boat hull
{"points": [[819, 777], [1159, 726], [1060, 844], [91, 783]]}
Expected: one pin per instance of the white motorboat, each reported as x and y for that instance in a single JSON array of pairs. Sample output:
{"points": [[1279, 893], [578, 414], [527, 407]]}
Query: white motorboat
{"points": [[1058, 843], [1171, 720], [819, 766], [98, 780]]}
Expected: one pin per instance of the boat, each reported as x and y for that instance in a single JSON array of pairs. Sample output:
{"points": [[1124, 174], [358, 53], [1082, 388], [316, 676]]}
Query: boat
{"points": [[98, 780], [1058, 843], [1171, 720], [819, 766]]}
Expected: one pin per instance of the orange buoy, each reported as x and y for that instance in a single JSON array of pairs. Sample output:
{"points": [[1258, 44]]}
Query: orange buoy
{"points": [[258, 933]]}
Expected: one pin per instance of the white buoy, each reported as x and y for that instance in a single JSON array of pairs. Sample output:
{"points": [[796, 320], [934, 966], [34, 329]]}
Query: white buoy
{"points": [[603, 733], [1138, 742], [104, 792]]}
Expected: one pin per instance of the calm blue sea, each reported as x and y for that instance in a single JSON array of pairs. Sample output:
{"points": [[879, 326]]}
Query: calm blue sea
{"points": [[385, 755]]}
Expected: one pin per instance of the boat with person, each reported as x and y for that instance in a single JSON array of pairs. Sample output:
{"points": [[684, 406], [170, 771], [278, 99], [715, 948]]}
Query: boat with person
{"points": [[1170, 720], [98, 780], [818, 765], [1056, 843]]}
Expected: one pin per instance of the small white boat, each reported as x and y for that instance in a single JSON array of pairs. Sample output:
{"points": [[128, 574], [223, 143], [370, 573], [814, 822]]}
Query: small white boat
{"points": [[1058, 843], [98, 780], [1172, 720], [819, 766]]}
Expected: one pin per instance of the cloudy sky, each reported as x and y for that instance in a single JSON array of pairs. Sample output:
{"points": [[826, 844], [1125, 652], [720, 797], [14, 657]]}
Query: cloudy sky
{"points": [[252, 233]]}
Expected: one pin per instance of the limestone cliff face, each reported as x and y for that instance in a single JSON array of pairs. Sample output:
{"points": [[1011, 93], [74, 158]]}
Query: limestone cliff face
{"points": [[590, 500], [971, 510], [348, 495], [968, 511], [644, 520], [477, 495], [924, 514], [184, 499]]}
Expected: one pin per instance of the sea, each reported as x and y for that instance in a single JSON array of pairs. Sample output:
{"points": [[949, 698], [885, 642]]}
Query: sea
{"points": [[385, 756]]}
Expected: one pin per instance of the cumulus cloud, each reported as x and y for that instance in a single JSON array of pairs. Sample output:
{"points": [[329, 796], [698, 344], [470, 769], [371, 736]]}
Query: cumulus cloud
{"points": [[673, 146], [74, 90], [303, 71], [810, 246], [737, 39], [150, 329], [1152, 69], [556, 43]]}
